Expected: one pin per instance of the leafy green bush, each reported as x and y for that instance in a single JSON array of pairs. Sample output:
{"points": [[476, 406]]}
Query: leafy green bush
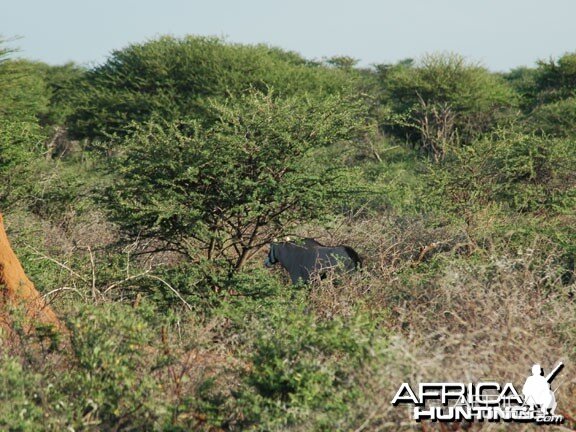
{"points": [[172, 78], [23, 92], [62, 84], [443, 100], [556, 119], [301, 371], [112, 382], [22, 395], [526, 172], [20, 145], [551, 81], [556, 79], [228, 189], [523, 81], [107, 384]]}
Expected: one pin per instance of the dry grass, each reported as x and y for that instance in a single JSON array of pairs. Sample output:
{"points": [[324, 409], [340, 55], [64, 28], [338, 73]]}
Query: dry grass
{"points": [[454, 317], [454, 310]]}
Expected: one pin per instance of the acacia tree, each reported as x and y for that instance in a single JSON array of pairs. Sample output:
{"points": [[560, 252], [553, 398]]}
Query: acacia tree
{"points": [[174, 77], [224, 191], [442, 100], [556, 79]]}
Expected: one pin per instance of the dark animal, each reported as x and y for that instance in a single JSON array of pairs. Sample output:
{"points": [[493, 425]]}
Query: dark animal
{"points": [[306, 257]]}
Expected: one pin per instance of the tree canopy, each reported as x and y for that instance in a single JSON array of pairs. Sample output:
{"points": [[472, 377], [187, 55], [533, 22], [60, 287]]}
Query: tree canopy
{"points": [[173, 78], [229, 188]]}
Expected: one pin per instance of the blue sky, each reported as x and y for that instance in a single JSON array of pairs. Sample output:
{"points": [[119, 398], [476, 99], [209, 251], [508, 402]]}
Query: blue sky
{"points": [[501, 34]]}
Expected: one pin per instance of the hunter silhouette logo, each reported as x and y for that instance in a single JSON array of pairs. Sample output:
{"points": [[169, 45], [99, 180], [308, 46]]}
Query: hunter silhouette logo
{"points": [[537, 390], [448, 402]]}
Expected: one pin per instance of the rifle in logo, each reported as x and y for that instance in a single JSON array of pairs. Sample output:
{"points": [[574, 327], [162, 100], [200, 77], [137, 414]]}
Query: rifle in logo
{"points": [[550, 377]]}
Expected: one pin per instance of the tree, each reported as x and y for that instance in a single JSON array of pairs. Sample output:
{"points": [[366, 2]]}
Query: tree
{"points": [[443, 101], [23, 97], [556, 79], [227, 189], [523, 81], [21, 144], [173, 78], [23, 93], [524, 172], [555, 118], [62, 83]]}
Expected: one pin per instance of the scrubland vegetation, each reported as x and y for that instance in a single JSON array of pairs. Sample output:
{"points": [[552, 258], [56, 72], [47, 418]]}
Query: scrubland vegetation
{"points": [[140, 196]]}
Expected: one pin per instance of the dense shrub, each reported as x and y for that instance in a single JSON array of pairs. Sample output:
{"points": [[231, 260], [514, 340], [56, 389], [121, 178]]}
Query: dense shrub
{"points": [[523, 81], [556, 79], [21, 144], [63, 82], [107, 384], [557, 119], [302, 370], [525, 172], [227, 189], [24, 94], [172, 78], [112, 384], [299, 369], [443, 100]]}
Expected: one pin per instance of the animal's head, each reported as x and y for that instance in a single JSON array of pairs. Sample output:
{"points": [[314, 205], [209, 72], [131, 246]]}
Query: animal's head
{"points": [[272, 257]]}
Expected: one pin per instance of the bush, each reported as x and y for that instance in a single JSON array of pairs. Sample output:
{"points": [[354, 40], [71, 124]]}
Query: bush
{"points": [[526, 172], [557, 119], [22, 395], [107, 384], [62, 82], [23, 92], [229, 189], [112, 382], [443, 101], [523, 81], [556, 79], [302, 371], [172, 78], [21, 144]]}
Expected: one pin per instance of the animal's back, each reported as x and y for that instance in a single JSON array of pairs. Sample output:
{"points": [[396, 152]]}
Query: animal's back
{"points": [[305, 257], [332, 257]]}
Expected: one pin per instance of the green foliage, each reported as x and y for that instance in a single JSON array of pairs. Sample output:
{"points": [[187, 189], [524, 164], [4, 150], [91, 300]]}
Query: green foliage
{"points": [[442, 101], [525, 172], [219, 188], [172, 78], [557, 119], [342, 62], [107, 385], [23, 396], [556, 79], [303, 369], [38, 91], [377, 176], [110, 349], [523, 81], [23, 92], [18, 411], [62, 83], [20, 145], [548, 96]]}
